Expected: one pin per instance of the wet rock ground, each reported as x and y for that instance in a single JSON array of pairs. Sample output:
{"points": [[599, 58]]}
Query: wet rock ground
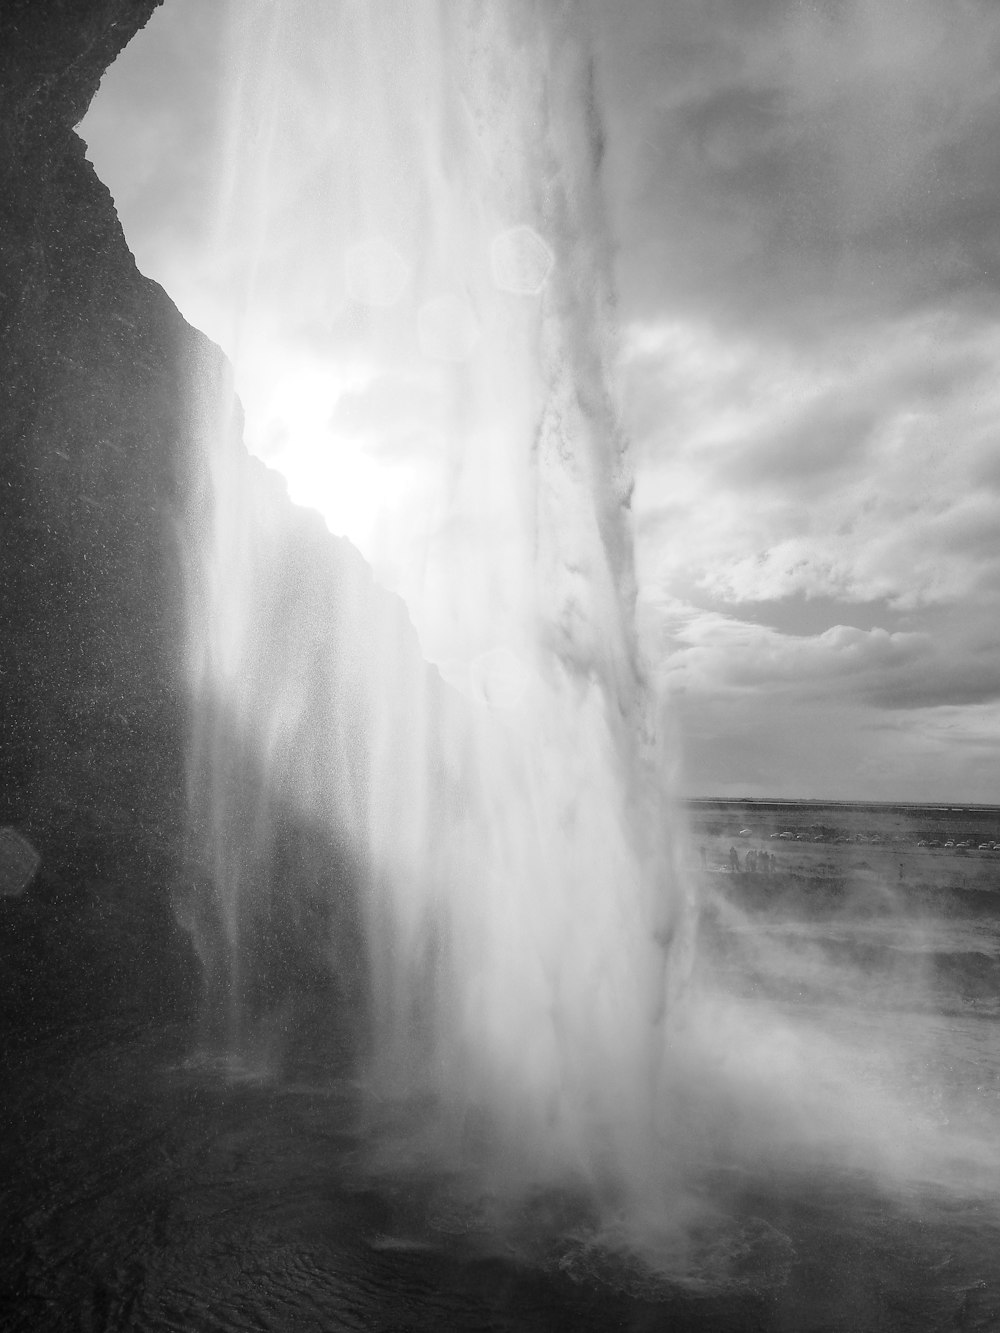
{"points": [[147, 1188]]}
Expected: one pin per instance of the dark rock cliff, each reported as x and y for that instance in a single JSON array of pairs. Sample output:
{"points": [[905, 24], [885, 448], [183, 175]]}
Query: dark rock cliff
{"points": [[91, 426], [92, 441], [119, 760]]}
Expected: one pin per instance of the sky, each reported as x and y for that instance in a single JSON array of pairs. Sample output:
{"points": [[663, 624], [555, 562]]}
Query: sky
{"points": [[803, 201]]}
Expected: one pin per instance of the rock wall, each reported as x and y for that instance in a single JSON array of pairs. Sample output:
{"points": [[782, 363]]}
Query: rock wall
{"points": [[93, 437], [120, 759], [91, 428]]}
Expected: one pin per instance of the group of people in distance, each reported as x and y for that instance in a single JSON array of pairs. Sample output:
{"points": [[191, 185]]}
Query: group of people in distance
{"points": [[756, 861]]}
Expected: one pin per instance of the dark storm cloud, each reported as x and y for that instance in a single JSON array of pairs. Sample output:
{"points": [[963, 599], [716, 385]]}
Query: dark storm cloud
{"points": [[803, 166]]}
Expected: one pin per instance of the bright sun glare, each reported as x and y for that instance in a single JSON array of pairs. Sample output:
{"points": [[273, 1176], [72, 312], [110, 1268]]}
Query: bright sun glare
{"points": [[293, 427]]}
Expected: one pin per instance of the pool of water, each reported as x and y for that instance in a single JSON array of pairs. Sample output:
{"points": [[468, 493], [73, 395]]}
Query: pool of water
{"points": [[146, 1188]]}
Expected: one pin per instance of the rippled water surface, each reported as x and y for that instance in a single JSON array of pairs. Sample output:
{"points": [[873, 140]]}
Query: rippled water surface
{"points": [[144, 1189]]}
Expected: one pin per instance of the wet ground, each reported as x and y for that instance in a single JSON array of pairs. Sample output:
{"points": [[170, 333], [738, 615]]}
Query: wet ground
{"points": [[145, 1190]]}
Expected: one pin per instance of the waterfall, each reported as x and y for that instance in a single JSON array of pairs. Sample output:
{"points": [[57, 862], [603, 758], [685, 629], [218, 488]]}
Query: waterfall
{"points": [[415, 191]]}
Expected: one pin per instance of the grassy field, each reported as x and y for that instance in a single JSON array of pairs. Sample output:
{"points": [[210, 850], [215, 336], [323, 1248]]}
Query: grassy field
{"points": [[885, 845], [853, 904]]}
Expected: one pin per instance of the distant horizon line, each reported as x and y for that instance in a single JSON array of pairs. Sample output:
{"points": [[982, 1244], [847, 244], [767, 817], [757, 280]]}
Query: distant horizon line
{"points": [[837, 803]]}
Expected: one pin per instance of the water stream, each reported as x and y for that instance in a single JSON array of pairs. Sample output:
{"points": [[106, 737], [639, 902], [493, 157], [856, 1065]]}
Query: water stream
{"points": [[503, 823]]}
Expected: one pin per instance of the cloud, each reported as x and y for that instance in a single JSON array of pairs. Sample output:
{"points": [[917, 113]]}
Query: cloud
{"points": [[716, 656], [805, 166], [846, 713], [840, 752], [719, 653], [866, 473]]}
